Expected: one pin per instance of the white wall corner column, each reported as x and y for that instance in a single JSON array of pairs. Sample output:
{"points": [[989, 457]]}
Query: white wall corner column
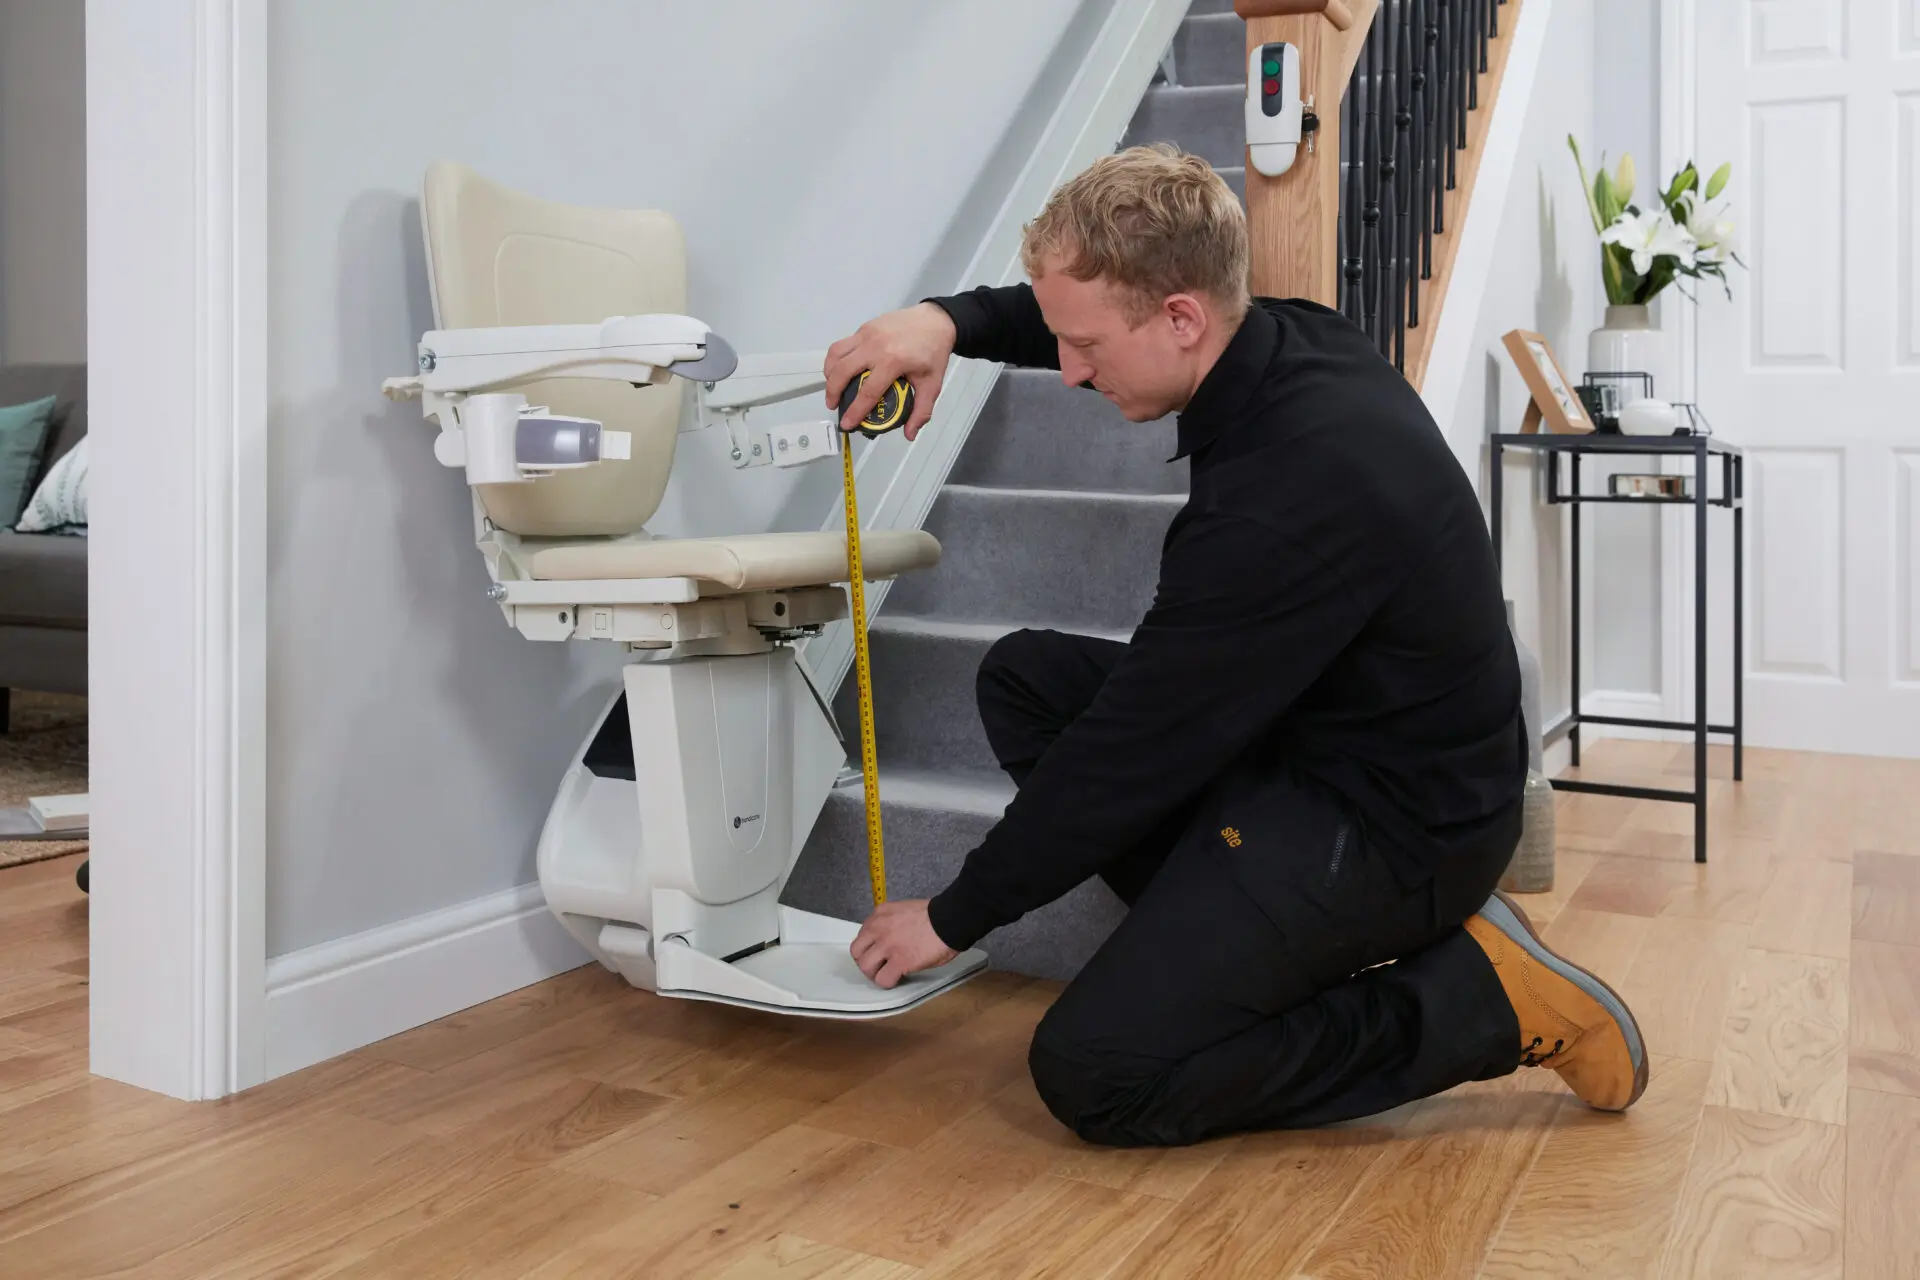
{"points": [[176, 338]]}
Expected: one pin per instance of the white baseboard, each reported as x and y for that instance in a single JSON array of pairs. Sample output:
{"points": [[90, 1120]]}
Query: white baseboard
{"points": [[342, 995]]}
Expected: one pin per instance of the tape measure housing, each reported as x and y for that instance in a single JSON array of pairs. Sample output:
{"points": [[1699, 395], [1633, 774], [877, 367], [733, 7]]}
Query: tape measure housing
{"points": [[890, 414]]}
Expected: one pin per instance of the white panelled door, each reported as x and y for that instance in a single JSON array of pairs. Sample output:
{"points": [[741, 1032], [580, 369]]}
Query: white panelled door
{"points": [[1814, 367]]}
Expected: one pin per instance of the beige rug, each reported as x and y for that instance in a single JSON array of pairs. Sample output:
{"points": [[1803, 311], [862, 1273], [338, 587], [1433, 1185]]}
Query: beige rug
{"points": [[44, 755]]}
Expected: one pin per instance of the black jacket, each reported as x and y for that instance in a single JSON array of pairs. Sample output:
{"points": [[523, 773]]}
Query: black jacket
{"points": [[1327, 597]]}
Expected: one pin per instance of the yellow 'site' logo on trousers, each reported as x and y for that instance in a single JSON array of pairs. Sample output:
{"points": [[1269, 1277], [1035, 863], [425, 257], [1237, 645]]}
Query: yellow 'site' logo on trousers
{"points": [[1231, 836]]}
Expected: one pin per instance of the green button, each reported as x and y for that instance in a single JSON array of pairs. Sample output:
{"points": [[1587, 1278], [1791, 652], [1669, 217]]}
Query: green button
{"points": [[1271, 67]]}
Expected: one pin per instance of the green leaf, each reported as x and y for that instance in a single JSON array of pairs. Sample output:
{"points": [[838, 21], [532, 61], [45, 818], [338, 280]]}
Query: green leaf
{"points": [[1718, 182], [1603, 198], [1617, 274], [1586, 186], [1683, 182]]}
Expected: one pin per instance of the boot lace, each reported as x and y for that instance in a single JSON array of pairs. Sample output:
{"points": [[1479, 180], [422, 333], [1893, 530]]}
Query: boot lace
{"points": [[1533, 1056]]}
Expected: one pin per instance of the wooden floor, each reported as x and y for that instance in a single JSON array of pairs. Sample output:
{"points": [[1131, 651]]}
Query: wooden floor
{"points": [[582, 1129]]}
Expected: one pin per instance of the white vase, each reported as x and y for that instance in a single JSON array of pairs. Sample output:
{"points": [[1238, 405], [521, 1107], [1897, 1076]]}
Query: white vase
{"points": [[1630, 343]]}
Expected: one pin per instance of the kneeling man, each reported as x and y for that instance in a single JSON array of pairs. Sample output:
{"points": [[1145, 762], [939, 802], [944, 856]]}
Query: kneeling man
{"points": [[1303, 773]]}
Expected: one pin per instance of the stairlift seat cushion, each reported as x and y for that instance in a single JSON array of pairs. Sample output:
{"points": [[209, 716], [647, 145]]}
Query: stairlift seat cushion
{"points": [[746, 562]]}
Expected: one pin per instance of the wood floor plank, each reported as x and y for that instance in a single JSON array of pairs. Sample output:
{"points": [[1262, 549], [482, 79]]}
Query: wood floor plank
{"points": [[344, 1216], [1884, 1022], [1762, 1199], [1431, 1207], [1600, 1199], [1057, 1228], [1883, 1186], [506, 1232], [1603, 941], [1680, 981], [711, 1221], [1627, 886], [1783, 1046], [1731, 890], [919, 1207], [1886, 897], [512, 1075], [1262, 1209], [24, 990], [792, 1257], [133, 1230], [1807, 908], [947, 1077], [693, 1136]]}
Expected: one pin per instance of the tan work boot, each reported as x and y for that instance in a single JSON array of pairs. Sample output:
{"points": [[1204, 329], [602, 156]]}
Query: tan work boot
{"points": [[1569, 1019]]}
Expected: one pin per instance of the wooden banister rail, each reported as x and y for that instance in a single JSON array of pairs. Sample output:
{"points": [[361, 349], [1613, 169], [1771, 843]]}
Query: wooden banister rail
{"points": [[1368, 221], [1336, 11]]}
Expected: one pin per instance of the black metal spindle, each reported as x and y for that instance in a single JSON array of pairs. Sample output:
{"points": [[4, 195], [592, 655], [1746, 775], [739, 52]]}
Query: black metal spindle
{"points": [[1406, 114], [1403, 282], [1370, 178]]}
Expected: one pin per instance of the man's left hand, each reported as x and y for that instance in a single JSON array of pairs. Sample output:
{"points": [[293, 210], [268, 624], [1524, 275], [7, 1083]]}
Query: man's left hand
{"points": [[896, 940]]}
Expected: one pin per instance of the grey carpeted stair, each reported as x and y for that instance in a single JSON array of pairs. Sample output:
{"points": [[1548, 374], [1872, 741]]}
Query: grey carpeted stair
{"points": [[1052, 517]]}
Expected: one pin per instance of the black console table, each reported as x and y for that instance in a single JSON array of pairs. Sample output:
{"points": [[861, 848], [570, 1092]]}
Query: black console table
{"points": [[1705, 452]]}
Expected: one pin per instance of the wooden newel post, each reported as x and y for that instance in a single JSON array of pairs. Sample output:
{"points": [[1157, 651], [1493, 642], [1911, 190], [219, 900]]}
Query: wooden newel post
{"points": [[1294, 219]]}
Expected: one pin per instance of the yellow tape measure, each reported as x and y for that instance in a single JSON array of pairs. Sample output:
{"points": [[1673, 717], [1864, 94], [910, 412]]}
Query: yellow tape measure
{"points": [[895, 407]]}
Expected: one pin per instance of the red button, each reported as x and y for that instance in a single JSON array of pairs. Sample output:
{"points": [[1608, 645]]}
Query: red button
{"points": [[1271, 87]]}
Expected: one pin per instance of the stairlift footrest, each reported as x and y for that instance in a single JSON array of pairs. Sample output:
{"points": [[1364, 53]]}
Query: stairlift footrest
{"points": [[807, 972]]}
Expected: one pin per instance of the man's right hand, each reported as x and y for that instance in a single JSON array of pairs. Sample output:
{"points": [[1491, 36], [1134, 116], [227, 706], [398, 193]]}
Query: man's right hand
{"points": [[913, 344]]}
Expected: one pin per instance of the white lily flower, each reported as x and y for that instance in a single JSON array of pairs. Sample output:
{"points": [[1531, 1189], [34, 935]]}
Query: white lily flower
{"points": [[1712, 231], [1651, 235]]}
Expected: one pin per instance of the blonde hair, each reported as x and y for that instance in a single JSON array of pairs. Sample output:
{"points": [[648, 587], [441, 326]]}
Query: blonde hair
{"points": [[1153, 221]]}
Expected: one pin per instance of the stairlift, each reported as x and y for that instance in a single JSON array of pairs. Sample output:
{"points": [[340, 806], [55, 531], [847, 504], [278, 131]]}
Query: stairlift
{"points": [[556, 375]]}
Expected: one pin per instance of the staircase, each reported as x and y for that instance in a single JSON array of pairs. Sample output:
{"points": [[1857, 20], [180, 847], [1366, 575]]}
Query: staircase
{"points": [[1052, 517]]}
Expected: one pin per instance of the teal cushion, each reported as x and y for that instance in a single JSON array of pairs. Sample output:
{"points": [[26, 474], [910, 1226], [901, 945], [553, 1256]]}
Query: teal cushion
{"points": [[23, 441]]}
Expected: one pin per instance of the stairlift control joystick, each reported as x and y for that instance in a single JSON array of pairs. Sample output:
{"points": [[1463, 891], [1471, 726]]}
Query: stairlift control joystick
{"points": [[1275, 115]]}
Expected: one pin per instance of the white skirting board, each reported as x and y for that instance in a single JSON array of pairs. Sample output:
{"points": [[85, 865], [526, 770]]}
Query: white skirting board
{"points": [[342, 995]]}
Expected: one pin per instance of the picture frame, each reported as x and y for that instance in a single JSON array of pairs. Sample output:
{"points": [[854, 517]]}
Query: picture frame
{"points": [[1552, 398]]}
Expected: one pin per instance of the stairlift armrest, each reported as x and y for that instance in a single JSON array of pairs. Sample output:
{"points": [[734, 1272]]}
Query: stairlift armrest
{"points": [[761, 380]]}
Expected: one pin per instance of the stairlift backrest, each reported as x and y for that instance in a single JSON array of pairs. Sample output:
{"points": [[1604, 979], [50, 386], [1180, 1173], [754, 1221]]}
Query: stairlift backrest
{"points": [[500, 257]]}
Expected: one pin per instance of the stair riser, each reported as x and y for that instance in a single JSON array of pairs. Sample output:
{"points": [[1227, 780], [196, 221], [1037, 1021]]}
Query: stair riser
{"points": [[1080, 563], [1210, 50], [925, 712], [926, 848], [1037, 433], [1210, 123]]}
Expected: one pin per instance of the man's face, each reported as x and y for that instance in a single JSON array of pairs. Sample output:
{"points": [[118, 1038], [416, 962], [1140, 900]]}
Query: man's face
{"points": [[1148, 369]]}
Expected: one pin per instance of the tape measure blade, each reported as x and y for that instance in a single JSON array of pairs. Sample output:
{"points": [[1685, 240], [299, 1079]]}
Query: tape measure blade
{"points": [[863, 678]]}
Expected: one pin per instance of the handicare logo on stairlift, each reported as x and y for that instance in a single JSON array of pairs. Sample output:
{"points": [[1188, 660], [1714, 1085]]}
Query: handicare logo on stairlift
{"points": [[1231, 835], [738, 822]]}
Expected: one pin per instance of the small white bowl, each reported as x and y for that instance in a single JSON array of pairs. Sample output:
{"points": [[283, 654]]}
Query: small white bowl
{"points": [[1649, 418]]}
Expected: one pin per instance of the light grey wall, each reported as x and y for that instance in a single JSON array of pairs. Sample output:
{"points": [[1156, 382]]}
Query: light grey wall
{"points": [[1547, 280], [1623, 553], [43, 180], [815, 155]]}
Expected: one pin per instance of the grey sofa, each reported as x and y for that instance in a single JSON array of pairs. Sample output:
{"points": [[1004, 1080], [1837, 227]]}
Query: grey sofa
{"points": [[43, 577]]}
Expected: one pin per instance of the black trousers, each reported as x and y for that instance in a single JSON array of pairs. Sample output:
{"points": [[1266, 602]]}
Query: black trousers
{"points": [[1249, 986]]}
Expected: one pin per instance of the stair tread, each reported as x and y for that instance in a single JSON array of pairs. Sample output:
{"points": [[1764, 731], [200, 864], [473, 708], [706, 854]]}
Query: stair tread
{"points": [[974, 629], [1199, 92], [1065, 495], [985, 792]]}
